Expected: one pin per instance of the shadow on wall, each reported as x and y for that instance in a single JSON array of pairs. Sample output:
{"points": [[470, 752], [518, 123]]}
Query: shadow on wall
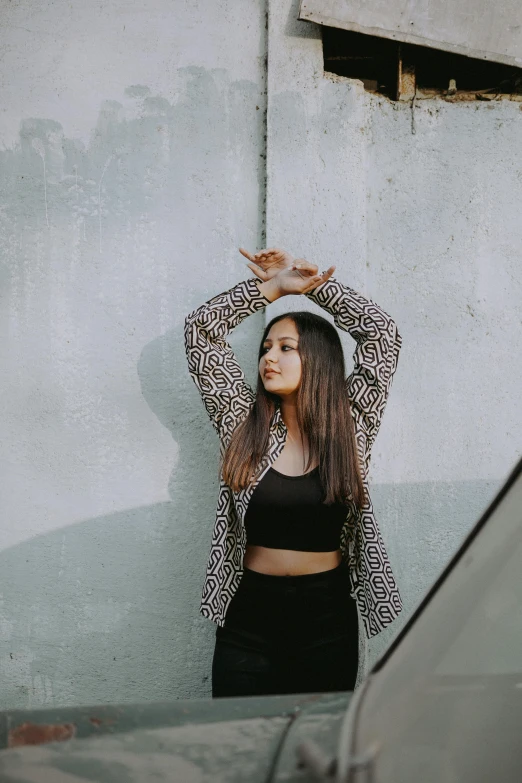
{"points": [[107, 609], [424, 524], [99, 613], [93, 238]]}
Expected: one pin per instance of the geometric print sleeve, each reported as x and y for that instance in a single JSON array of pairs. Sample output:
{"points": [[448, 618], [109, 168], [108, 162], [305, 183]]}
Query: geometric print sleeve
{"points": [[211, 362], [376, 353]]}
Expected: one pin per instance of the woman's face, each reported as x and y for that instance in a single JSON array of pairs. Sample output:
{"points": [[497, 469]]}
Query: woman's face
{"points": [[280, 354]]}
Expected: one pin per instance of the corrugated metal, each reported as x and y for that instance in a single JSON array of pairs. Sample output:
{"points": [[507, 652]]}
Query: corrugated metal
{"points": [[476, 28]]}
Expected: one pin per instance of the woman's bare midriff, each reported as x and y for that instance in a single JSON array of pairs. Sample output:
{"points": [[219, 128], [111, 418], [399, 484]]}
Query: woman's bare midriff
{"points": [[287, 562]]}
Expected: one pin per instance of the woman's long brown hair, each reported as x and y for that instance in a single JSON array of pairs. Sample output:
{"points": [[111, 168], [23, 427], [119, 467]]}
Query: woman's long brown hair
{"points": [[323, 415]]}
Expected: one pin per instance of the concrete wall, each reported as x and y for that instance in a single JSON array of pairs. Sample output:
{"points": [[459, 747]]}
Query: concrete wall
{"points": [[420, 210], [133, 166], [130, 172]]}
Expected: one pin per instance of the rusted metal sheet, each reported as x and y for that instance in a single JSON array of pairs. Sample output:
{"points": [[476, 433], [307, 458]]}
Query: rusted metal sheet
{"points": [[476, 28], [112, 719], [39, 733], [219, 752], [200, 741]]}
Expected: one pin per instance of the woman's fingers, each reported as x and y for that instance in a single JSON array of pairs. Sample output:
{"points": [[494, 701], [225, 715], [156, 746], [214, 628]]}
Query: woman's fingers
{"points": [[329, 272], [318, 280], [258, 271], [273, 256], [305, 266], [268, 259], [324, 276], [264, 259], [313, 283], [258, 259], [248, 255], [268, 251]]}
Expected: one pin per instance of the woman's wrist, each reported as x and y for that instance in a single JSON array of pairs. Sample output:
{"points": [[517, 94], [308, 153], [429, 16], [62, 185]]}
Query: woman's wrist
{"points": [[269, 289]]}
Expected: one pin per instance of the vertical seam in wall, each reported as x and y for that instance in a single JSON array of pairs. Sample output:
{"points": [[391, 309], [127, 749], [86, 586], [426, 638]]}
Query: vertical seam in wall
{"points": [[264, 136], [265, 145], [368, 143]]}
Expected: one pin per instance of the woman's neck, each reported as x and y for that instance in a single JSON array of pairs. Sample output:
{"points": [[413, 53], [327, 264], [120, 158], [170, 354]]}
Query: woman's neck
{"points": [[289, 414]]}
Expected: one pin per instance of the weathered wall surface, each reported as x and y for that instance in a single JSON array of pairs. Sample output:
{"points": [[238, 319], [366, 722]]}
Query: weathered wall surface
{"points": [[419, 210], [132, 167], [130, 170]]}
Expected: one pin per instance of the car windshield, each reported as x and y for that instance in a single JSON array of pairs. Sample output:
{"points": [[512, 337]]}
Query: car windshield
{"points": [[446, 704]]}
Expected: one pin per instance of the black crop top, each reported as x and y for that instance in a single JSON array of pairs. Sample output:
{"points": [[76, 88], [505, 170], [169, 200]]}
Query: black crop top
{"points": [[287, 512]]}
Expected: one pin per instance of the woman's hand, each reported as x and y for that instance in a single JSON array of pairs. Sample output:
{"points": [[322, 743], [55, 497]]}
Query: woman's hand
{"points": [[282, 274], [266, 264], [301, 278]]}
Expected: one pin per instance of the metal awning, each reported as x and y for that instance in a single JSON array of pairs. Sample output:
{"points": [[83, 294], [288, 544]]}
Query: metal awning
{"points": [[475, 28]]}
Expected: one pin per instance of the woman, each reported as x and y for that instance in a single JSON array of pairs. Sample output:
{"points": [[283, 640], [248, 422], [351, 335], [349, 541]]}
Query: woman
{"points": [[296, 550]]}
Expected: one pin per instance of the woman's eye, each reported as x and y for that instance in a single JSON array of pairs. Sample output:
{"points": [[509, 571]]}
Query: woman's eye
{"points": [[267, 348]]}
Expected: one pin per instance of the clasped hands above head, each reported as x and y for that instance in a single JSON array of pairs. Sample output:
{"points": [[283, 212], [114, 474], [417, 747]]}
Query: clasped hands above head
{"points": [[285, 274]]}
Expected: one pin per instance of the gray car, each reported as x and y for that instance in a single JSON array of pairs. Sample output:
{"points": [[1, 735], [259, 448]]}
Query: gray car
{"points": [[443, 705]]}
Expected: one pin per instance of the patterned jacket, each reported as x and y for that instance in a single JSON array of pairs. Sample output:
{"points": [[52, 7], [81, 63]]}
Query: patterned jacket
{"points": [[228, 398]]}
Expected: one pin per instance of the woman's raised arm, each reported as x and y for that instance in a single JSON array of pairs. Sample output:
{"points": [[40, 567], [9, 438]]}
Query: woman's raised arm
{"points": [[378, 343], [211, 362], [377, 338]]}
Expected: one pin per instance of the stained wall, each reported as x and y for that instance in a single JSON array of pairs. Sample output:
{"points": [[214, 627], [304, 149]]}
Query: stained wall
{"points": [[133, 164]]}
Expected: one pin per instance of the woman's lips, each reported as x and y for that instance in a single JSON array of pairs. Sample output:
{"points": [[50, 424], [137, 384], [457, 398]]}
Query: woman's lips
{"points": [[271, 372]]}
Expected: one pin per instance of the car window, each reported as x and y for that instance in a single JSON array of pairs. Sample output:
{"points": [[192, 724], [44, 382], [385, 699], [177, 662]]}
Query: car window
{"points": [[446, 705], [490, 638]]}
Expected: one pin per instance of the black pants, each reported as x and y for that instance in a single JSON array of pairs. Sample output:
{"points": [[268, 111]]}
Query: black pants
{"points": [[288, 634]]}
